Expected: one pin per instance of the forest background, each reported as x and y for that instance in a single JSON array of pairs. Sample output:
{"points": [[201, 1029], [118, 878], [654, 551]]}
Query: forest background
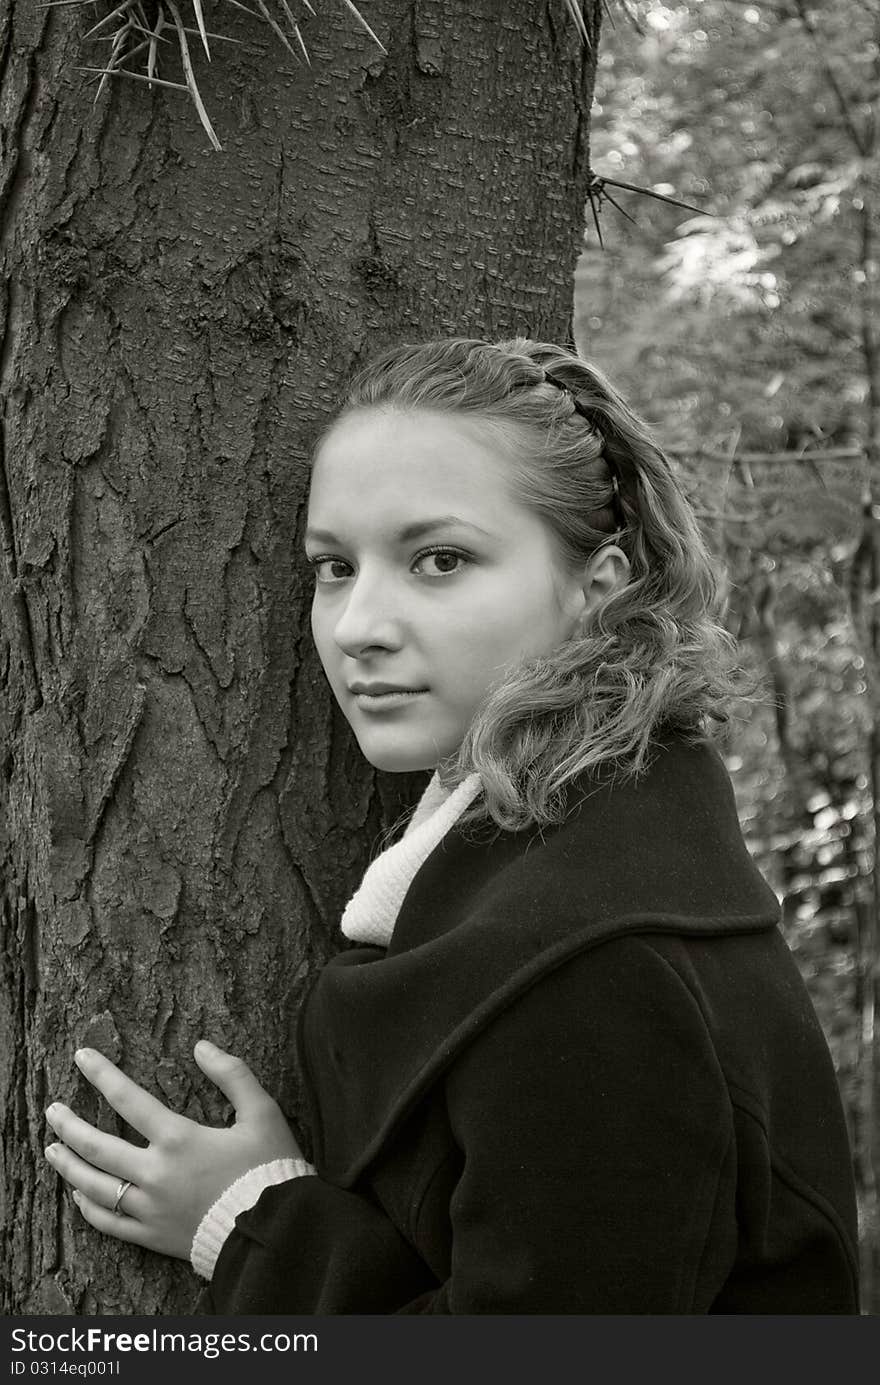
{"points": [[749, 337], [182, 798]]}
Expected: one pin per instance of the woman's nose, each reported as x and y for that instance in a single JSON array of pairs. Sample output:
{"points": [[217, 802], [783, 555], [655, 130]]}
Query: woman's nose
{"points": [[370, 616]]}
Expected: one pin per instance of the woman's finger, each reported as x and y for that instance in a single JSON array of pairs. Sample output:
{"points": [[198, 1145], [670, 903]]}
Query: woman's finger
{"points": [[100, 1188], [105, 1151], [234, 1078], [123, 1228], [136, 1106]]}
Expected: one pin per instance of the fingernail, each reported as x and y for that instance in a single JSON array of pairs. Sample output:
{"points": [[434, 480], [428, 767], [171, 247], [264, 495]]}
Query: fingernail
{"points": [[75, 1197], [49, 1151], [53, 1110], [206, 1044], [84, 1055]]}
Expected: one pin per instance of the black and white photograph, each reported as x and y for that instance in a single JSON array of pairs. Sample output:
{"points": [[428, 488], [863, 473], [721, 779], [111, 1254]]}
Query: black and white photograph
{"points": [[439, 668]]}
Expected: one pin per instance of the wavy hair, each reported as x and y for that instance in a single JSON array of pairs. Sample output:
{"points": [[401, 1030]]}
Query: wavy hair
{"points": [[654, 652]]}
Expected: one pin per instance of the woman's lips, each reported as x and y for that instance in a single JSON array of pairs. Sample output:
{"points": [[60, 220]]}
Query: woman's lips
{"points": [[386, 701]]}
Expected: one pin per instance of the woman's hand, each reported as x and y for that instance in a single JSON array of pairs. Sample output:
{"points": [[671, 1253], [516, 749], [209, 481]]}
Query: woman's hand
{"points": [[184, 1168]]}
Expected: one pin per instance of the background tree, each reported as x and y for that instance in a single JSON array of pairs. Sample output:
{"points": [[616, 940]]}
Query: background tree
{"points": [[749, 337], [184, 810]]}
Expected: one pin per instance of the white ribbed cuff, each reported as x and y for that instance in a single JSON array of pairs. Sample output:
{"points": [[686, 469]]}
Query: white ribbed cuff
{"points": [[241, 1195]]}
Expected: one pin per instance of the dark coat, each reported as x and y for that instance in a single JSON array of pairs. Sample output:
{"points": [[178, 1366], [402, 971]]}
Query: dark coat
{"points": [[586, 1077]]}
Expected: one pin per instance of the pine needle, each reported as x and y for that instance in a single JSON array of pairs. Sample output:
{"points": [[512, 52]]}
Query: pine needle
{"points": [[136, 21], [647, 192], [200, 20], [137, 76], [223, 38], [277, 27], [190, 78], [140, 29], [576, 13], [157, 35], [359, 17], [289, 12], [617, 207], [118, 40], [107, 17], [302, 45], [632, 16], [244, 8], [151, 60], [295, 30], [595, 208], [130, 53]]}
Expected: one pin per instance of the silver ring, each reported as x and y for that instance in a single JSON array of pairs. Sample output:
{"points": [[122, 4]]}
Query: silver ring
{"points": [[120, 1194]]}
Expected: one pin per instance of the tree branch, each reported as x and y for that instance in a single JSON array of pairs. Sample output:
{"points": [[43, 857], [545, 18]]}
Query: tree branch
{"points": [[859, 140]]}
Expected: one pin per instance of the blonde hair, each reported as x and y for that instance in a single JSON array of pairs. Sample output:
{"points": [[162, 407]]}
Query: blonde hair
{"points": [[654, 652]]}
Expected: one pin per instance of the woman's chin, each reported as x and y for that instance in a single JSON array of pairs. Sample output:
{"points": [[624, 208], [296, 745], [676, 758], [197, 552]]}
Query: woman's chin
{"points": [[392, 754], [399, 761]]}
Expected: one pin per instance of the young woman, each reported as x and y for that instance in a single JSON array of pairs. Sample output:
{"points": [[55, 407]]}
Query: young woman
{"points": [[570, 1065]]}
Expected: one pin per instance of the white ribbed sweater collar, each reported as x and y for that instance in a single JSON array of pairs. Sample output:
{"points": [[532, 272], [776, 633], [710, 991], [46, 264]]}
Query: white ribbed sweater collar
{"points": [[371, 913]]}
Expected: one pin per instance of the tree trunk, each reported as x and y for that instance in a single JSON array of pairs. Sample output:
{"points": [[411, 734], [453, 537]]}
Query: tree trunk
{"points": [[868, 1147], [185, 811]]}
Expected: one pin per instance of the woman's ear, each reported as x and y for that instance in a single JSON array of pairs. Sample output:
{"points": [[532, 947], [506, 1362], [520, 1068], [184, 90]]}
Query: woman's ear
{"points": [[606, 570]]}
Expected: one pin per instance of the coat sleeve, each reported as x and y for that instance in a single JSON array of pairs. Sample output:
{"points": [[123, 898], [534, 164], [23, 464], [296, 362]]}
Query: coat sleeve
{"points": [[598, 1169]]}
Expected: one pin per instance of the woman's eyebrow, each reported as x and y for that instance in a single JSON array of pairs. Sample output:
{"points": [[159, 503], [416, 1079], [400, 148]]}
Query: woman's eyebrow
{"points": [[409, 531]]}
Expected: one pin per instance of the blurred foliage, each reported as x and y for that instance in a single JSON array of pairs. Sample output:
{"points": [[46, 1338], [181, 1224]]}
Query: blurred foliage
{"points": [[739, 335], [745, 318]]}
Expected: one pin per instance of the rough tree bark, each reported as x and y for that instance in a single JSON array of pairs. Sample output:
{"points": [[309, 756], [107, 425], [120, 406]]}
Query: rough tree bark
{"points": [[184, 810]]}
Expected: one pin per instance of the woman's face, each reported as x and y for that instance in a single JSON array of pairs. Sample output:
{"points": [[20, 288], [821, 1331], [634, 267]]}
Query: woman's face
{"points": [[430, 577]]}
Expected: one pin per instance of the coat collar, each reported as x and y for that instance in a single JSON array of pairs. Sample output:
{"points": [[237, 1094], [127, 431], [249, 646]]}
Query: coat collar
{"points": [[484, 918]]}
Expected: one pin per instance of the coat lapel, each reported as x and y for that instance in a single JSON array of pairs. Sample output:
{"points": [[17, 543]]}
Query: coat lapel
{"points": [[486, 917]]}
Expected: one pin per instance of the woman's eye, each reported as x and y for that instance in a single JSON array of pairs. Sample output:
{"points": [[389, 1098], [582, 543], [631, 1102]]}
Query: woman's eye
{"points": [[446, 562], [442, 557], [317, 564]]}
